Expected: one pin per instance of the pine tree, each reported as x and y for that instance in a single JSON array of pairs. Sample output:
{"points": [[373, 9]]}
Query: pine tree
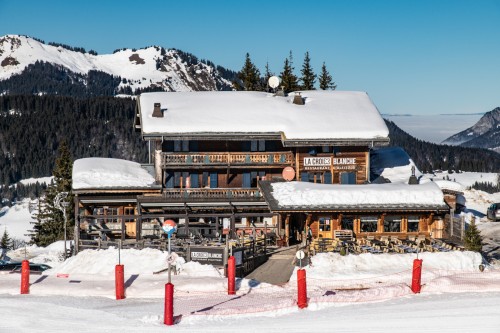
{"points": [[288, 80], [249, 76], [326, 80], [472, 238], [308, 77], [267, 75], [6, 242], [49, 225]]}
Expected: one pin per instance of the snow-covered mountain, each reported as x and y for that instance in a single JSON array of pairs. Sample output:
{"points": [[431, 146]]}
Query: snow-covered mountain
{"points": [[484, 134], [152, 67]]}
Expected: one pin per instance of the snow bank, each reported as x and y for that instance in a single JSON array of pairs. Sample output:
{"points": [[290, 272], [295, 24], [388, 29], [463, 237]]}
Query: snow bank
{"points": [[146, 261], [94, 172], [336, 267]]}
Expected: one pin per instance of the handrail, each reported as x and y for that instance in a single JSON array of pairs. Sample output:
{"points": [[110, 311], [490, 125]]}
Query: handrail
{"points": [[227, 158]]}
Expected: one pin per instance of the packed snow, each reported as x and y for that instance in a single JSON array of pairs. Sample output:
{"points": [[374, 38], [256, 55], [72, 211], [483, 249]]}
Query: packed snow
{"points": [[95, 172], [79, 294], [325, 115]]}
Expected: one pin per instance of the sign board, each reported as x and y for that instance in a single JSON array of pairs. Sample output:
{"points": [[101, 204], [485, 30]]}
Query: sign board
{"points": [[317, 163], [300, 254], [288, 173], [344, 163], [207, 255], [238, 257], [169, 227]]}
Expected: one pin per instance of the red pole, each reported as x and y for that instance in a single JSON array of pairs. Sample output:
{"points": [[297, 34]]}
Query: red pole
{"points": [[301, 289], [119, 282], [417, 276], [231, 276], [25, 277], [168, 318]]}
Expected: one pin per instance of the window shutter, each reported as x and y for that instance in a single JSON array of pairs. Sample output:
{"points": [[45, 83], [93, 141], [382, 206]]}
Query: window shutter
{"points": [[194, 180], [169, 181], [185, 145], [262, 145], [327, 177], [247, 180], [253, 145], [304, 176], [213, 180], [177, 145]]}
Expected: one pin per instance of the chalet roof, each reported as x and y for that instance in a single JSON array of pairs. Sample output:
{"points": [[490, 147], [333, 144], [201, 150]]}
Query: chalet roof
{"points": [[325, 116], [304, 196], [108, 174]]}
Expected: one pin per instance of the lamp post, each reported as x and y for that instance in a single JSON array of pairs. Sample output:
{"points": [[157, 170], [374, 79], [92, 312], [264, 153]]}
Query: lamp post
{"points": [[61, 204]]}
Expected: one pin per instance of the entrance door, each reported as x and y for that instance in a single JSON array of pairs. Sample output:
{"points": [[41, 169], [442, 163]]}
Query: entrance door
{"points": [[325, 227]]}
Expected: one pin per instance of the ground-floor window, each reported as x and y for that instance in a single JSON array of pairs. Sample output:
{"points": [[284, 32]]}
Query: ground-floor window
{"points": [[368, 223], [392, 223], [347, 222], [324, 224], [348, 178], [413, 222]]}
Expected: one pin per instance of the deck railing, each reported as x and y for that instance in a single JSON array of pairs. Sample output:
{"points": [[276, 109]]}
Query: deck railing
{"points": [[239, 159], [213, 193]]}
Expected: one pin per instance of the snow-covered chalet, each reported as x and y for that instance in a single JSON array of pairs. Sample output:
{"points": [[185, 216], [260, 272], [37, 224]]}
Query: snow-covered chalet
{"points": [[241, 163]]}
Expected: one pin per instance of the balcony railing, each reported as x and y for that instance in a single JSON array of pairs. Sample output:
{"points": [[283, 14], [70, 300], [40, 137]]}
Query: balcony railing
{"points": [[251, 194], [239, 159]]}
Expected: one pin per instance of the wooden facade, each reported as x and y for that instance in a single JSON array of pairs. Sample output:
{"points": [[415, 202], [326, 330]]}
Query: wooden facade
{"points": [[210, 185]]}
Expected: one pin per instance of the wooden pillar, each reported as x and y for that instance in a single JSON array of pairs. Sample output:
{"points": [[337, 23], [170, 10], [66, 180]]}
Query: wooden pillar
{"points": [[367, 166], [297, 164], [232, 230], [287, 229], [138, 223], [77, 223], [157, 161]]}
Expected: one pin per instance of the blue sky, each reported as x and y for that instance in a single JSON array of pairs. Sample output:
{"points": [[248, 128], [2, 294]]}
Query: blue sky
{"points": [[417, 57]]}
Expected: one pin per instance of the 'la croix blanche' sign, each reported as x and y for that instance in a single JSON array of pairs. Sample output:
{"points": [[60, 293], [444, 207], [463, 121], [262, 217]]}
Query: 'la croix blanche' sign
{"points": [[325, 163]]}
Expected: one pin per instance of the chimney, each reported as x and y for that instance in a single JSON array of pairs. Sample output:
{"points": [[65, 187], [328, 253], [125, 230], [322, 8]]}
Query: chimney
{"points": [[281, 92], [297, 99], [157, 113]]}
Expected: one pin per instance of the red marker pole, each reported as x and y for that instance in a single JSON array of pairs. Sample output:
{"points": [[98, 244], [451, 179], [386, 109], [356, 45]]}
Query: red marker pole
{"points": [[417, 276], [168, 318], [119, 282], [25, 277], [301, 289], [231, 276]]}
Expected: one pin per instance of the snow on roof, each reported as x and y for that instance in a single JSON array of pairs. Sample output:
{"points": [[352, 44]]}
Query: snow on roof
{"points": [[325, 114], [392, 164], [450, 185], [301, 194], [96, 172]]}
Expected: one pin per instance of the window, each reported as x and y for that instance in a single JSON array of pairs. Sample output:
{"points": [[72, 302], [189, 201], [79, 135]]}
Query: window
{"points": [[368, 223], [128, 211], [392, 223], [347, 222], [413, 223], [324, 224], [348, 178]]}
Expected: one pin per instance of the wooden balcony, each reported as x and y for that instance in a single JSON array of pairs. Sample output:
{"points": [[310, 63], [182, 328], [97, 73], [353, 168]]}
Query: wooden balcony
{"points": [[224, 160], [209, 194]]}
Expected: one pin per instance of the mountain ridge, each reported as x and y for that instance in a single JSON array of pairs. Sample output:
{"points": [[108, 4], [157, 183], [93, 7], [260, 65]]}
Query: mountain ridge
{"points": [[150, 68], [484, 134]]}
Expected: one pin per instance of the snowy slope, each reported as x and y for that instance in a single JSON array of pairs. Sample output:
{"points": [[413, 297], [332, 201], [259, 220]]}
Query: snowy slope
{"points": [[143, 68]]}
